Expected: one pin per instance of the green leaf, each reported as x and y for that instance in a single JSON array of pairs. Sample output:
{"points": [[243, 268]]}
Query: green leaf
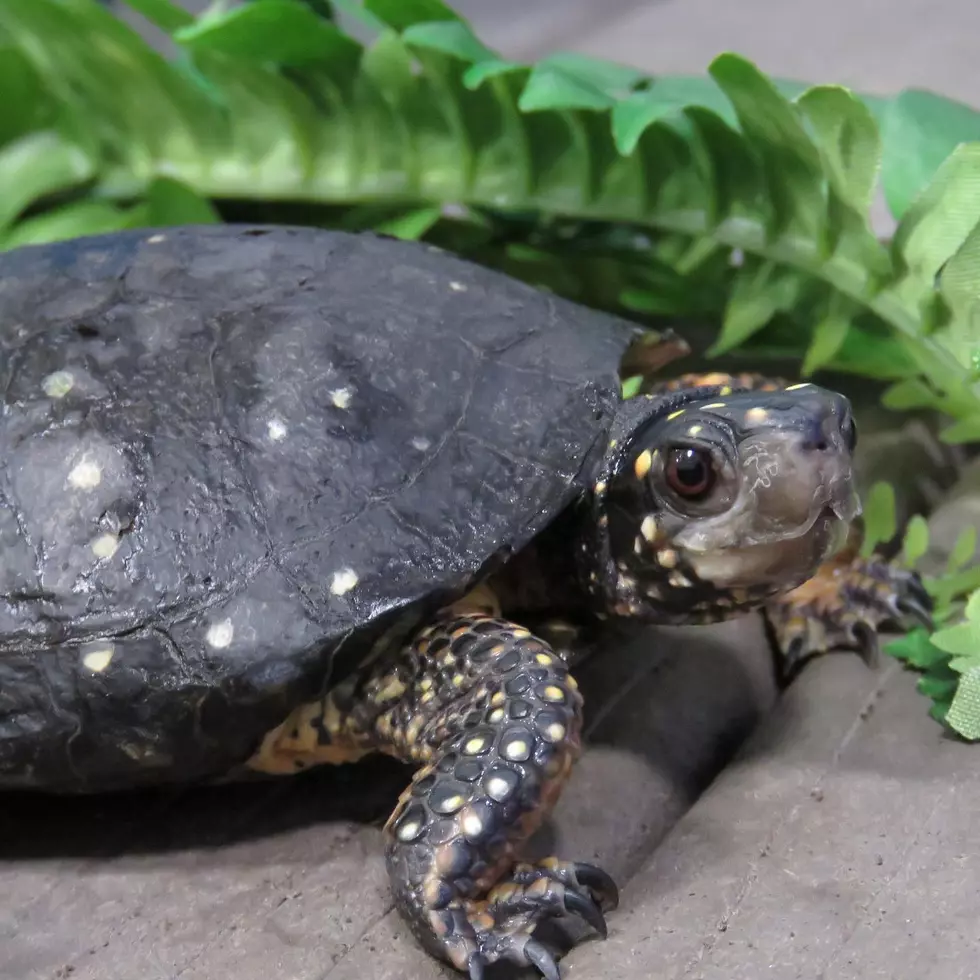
{"points": [[634, 114], [615, 80], [26, 104], [910, 393], [552, 86], [964, 713], [940, 685], [965, 430], [878, 357], [942, 217], [917, 650], [69, 221], [792, 162], [962, 639], [963, 550], [36, 165], [494, 68], [402, 14], [283, 32], [631, 386], [972, 611], [760, 291], [848, 141], [919, 131], [164, 14], [410, 226], [828, 335], [879, 517], [959, 283], [916, 541], [170, 202], [452, 37]]}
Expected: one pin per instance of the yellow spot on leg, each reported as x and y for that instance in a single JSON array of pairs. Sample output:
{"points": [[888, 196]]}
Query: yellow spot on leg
{"points": [[295, 744], [649, 527]]}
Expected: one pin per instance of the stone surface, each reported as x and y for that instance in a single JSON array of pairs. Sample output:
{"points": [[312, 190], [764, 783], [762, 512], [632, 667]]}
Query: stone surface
{"points": [[288, 880], [841, 844]]}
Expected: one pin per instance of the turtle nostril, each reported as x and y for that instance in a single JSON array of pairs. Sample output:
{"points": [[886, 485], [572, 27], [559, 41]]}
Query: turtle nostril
{"points": [[814, 437]]}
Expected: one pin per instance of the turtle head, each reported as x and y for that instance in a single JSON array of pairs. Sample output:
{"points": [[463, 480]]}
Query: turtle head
{"points": [[711, 503]]}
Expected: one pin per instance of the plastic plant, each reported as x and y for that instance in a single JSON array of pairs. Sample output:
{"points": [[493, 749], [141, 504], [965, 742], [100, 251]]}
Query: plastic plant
{"points": [[732, 198]]}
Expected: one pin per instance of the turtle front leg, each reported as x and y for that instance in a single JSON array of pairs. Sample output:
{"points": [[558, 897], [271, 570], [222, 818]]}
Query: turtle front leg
{"points": [[495, 718], [843, 607]]}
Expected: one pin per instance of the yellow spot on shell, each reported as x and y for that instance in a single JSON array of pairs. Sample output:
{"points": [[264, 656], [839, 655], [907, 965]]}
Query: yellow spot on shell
{"points": [[474, 746], [343, 581], [804, 384], [458, 680], [694, 430], [756, 415], [341, 397], [498, 698], [727, 390], [553, 693], [98, 658], [521, 634], [428, 696], [543, 658], [715, 405], [457, 287], [516, 749], [85, 475], [642, 465], [58, 384], [496, 715], [677, 414], [105, 546], [221, 634]]}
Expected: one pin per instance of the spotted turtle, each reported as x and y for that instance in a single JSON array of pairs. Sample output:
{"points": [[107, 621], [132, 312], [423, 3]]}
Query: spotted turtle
{"points": [[278, 497]]}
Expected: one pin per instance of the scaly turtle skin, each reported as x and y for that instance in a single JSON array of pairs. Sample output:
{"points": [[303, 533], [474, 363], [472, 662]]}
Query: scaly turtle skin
{"points": [[272, 498]]}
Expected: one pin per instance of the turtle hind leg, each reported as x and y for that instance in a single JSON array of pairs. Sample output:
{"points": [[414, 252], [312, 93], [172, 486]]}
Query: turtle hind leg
{"points": [[843, 607], [494, 717]]}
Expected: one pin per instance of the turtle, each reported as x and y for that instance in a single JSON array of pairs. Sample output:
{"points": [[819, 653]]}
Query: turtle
{"points": [[278, 497]]}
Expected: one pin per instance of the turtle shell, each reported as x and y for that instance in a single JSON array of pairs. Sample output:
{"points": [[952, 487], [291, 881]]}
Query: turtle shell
{"points": [[229, 451]]}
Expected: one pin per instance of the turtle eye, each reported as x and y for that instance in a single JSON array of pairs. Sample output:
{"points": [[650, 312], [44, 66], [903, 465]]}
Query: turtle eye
{"points": [[689, 472]]}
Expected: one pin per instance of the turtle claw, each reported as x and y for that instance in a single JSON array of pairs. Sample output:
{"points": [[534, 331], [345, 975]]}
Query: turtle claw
{"points": [[587, 909], [537, 955], [844, 607], [599, 883], [477, 965]]}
